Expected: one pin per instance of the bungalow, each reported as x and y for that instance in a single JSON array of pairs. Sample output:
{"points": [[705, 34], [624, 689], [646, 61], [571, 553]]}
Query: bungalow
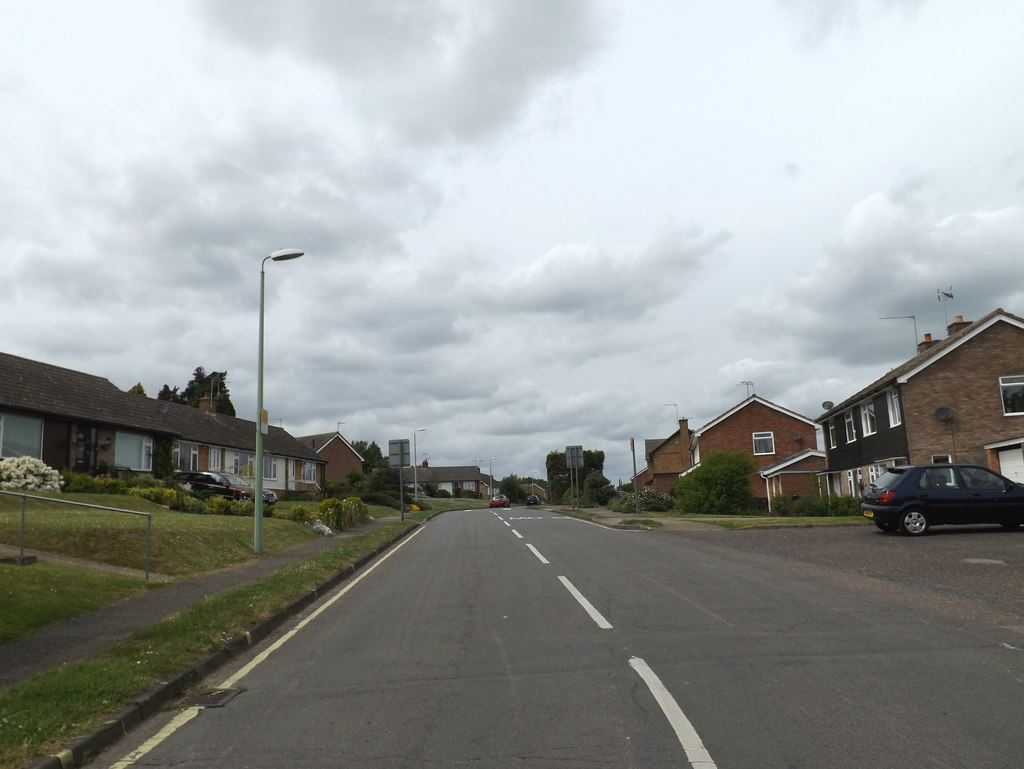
{"points": [[459, 481], [83, 423]]}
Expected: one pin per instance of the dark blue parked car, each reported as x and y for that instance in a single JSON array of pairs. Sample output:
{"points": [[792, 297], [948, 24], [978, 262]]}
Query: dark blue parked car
{"points": [[913, 498]]}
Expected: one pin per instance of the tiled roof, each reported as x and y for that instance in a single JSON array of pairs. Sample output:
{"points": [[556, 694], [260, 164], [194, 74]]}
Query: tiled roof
{"points": [[922, 358], [52, 391]]}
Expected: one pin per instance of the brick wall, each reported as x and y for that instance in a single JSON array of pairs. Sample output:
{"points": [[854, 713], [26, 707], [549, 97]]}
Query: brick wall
{"points": [[736, 434], [340, 461], [967, 381]]}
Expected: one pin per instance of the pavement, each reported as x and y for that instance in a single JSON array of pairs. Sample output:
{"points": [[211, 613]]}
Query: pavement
{"points": [[68, 641]]}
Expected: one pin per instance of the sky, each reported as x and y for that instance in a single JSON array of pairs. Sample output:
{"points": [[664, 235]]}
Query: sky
{"points": [[527, 224]]}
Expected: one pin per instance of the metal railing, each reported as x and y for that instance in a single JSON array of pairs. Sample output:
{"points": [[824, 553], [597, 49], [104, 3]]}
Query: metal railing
{"points": [[26, 497]]}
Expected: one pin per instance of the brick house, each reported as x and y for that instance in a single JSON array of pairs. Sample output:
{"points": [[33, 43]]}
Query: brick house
{"points": [[666, 458], [338, 455], [782, 443], [960, 399]]}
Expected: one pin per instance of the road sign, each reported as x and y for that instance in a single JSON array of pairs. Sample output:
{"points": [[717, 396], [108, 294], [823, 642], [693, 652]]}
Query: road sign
{"points": [[574, 456], [398, 452]]}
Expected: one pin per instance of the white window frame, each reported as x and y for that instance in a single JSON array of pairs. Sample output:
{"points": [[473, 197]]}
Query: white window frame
{"points": [[309, 472], [941, 459], [215, 455], [144, 461], [851, 426], [269, 467], [762, 437], [830, 426], [1016, 382], [868, 423], [895, 410]]}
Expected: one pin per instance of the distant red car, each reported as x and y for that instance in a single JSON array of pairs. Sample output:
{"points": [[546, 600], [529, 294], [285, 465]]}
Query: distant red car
{"points": [[500, 500]]}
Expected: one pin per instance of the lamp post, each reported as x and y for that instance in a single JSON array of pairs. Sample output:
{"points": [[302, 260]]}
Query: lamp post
{"points": [[415, 461], [490, 472], [282, 255]]}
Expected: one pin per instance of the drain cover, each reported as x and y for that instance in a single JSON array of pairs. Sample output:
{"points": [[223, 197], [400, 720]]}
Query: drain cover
{"points": [[213, 698]]}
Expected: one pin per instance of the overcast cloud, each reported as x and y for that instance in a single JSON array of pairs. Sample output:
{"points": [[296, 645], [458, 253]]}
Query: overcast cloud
{"points": [[527, 223]]}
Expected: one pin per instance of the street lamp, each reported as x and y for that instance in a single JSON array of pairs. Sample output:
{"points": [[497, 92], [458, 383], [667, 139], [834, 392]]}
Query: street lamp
{"points": [[415, 461], [490, 472], [282, 255]]}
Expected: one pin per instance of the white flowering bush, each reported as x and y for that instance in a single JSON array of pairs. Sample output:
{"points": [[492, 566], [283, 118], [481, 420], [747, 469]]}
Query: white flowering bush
{"points": [[28, 474]]}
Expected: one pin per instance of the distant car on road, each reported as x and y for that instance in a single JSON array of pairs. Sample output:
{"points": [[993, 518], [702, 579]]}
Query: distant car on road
{"points": [[533, 499], [500, 500], [913, 498]]}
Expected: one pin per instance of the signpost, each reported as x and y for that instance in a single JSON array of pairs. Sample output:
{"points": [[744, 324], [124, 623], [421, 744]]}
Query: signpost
{"points": [[398, 456], [573, 462]]}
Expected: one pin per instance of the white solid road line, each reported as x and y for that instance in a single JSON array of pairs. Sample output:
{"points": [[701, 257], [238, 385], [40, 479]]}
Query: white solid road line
{"points": [[187, 715], [589, 607], [696, 753], [536, 552]]}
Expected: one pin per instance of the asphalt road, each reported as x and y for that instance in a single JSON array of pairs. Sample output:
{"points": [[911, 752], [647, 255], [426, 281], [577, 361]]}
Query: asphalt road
{"points": [[518, 638]]}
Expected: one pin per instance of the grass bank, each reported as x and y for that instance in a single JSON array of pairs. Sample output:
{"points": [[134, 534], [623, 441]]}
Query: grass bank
{"points": [[45, 712]]}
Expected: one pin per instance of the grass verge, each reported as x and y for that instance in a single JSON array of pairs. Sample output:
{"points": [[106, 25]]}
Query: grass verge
{"points": [[47, 711]]}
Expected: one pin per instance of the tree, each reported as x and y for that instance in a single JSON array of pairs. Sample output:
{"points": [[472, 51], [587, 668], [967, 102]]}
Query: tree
{"points": [[202, 385], [373, 457], [558, 473], [138, 389], [719, 485]]}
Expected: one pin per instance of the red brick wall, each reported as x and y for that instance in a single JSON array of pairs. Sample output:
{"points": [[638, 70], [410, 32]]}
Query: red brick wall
{"points": [[967, 381], [735, 433], [341, 460]]}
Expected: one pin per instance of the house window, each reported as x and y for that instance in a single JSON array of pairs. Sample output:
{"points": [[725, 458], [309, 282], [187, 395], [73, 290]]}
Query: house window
{"points": [[134, 451], [186, 456], [895, 412], [232, 461], [851, 427], [764, 443], [850, 488], [270, 467], [830, 427], [874, 471], [867, 418], [21, 436], [308, 472], [215, 458], [940, 459], [1012, 390]]}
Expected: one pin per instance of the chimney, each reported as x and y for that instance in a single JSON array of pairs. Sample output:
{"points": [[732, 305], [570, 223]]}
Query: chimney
{"points": [[958, 325], [925, 343], [206, 404]]}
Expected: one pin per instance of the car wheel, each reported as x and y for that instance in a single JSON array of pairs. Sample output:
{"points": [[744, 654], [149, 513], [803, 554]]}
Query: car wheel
{"points": [[886, 526], [914, 523]]}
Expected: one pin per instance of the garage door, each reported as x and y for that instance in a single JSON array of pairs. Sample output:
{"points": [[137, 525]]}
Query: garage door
{"points": [[1011, 464]]}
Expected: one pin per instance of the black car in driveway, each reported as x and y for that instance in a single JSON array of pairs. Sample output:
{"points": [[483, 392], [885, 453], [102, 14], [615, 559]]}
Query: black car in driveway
{"points": [[913, 498]]}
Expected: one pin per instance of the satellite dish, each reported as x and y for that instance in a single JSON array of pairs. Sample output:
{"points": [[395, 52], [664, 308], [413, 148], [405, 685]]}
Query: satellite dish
{"points": [[943, 413], [827, 405]]}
